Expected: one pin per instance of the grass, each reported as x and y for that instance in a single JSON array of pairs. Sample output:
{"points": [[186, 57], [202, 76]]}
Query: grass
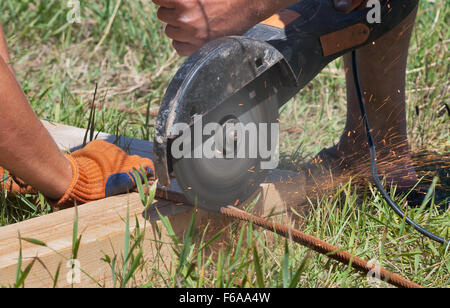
{"points": [[60, 66]]}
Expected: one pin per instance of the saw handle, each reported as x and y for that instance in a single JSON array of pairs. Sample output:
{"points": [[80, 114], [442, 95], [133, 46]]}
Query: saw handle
{"points": [[287, 16], [312, 33]]}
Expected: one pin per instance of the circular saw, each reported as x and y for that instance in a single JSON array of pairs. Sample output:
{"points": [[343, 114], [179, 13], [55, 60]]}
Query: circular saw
{"points": [[217, 128]]}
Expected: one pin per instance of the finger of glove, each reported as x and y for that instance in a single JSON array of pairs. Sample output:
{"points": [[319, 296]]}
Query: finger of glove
{"points": [[110, 158]]}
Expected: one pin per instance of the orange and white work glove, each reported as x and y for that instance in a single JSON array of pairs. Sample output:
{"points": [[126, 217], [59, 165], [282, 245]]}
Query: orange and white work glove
{"points": [[102, 170]]}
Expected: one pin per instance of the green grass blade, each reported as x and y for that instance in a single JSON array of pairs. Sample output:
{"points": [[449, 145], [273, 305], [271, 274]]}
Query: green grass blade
{"points": [[258, 269]]}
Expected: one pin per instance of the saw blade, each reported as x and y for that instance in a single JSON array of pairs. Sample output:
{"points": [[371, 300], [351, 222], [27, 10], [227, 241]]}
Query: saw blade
{"points": [[211, 183]]}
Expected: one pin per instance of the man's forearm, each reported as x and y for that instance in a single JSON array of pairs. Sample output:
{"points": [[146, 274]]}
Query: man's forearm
{"points": [[26, 148]]}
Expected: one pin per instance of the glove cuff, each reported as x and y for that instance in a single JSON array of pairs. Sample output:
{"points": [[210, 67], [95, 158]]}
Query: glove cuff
{"points": [[87, 183], [69, 198]]}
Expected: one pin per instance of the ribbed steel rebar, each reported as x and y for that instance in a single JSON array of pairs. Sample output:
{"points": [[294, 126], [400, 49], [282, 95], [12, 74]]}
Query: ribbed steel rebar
{"points": [[319, 246]]}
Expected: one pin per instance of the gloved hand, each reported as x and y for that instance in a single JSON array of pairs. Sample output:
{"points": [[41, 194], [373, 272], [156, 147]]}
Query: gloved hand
{"points": [[14, 185], [347, 5], [101, 170]]}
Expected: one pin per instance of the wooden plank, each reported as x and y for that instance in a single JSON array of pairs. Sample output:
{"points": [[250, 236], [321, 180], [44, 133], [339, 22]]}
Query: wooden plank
{"points": [[69, 138], [102, 224]]}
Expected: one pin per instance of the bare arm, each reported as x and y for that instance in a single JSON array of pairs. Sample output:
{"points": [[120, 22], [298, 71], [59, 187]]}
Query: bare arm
{"points": [[26, 148], [28, 152]]}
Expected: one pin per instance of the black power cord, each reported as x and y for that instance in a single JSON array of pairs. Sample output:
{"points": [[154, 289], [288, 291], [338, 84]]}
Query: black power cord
{"points": [[373, 161]]}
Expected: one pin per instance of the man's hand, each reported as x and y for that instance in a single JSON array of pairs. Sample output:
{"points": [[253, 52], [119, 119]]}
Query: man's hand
{"points": [[102, 170], [192, 23]]}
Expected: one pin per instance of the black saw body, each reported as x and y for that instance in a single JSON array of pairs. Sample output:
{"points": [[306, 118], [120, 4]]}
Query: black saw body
{"points": [[246, 80]]}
